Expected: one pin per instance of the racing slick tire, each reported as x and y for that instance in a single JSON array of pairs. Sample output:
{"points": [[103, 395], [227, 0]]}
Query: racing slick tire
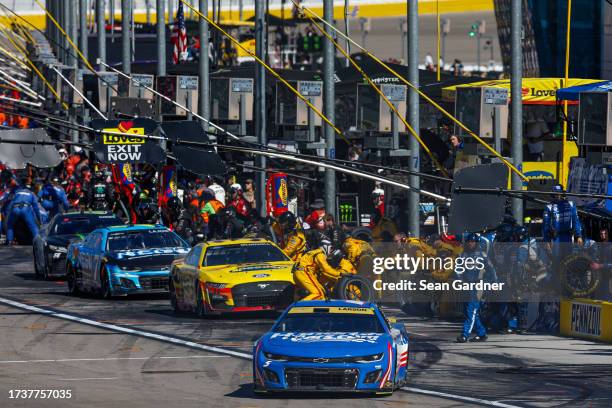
{"points": [[37, 270], [577, 276], [362, 233], [201, 308], [73, 287], [105, 289], [354, 287], [46, 268], [173, 302]]}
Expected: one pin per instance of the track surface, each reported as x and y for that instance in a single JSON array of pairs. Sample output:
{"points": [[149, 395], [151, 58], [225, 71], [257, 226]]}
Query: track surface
{"points": [[103, 368]]}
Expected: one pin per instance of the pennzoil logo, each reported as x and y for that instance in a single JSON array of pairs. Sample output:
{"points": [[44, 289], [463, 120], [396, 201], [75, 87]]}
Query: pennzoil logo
{"points": [[586, 319], [127, 172], [282, 191], [172, 186]]}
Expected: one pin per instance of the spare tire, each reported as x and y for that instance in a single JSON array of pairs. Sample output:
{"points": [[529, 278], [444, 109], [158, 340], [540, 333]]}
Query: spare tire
{"points": [[362, 233], [354, 287], [577, 277]]}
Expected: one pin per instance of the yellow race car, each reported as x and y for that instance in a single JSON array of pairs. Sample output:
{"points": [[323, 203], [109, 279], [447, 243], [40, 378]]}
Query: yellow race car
{"points": [[232, 276]]}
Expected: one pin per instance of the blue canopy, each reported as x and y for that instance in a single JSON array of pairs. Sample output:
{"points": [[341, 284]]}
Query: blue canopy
{"points": [[572, 93]]}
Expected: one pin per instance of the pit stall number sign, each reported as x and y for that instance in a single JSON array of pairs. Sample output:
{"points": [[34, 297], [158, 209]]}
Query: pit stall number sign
{"points": [[189, 83], [311, 88]]}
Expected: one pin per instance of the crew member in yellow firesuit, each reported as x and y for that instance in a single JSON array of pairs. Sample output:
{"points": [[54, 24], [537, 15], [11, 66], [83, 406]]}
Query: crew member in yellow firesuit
{"points": [[313, 271], [359, 253], [293, 242]]}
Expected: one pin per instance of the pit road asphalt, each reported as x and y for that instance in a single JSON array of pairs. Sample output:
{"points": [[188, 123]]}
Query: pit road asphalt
{"points": [[106, 368]]}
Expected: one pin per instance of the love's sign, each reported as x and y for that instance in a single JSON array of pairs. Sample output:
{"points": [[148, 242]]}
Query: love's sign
{"points": [[127, 141]]}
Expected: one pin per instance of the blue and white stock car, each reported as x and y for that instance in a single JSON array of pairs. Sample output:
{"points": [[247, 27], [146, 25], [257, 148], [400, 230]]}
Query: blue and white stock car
{"points": [[122, 260], [337, 346]]}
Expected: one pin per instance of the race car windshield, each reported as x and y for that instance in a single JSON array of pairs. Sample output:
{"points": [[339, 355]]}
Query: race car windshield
{"points": [[147, 239], [329, 322], [241, 254], [84, 225]]}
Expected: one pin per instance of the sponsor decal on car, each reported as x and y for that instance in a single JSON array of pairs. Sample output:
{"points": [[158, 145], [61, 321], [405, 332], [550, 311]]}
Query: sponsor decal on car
{"points": [[252, 268], [353, 337], [341, 310], [148, 252]]}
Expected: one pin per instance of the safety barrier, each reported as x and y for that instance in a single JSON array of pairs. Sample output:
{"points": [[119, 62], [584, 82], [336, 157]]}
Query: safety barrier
{"points": [[586, 318]]}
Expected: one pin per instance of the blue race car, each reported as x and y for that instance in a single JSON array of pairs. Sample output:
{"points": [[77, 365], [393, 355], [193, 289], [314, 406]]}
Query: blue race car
{"points": [[337, 346], [120, 260]]}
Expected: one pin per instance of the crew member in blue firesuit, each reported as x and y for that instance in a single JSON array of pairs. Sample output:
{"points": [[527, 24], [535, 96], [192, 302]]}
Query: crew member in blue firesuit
{"points": [[560, 220], [516, 256], [7, 187], [5, 196], [532, 269], [23, 205], [485, 240], [503, 256], [472, 273], [53, 198]]}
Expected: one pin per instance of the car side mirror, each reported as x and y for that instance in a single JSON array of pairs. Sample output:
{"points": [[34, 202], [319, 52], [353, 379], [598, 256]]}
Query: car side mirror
{"points": [[392, 320]]}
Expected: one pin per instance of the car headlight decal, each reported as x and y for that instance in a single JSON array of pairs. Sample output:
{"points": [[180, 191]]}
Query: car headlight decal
{"points": [[56, 248], [275, 357], [370, 359], [216, 285]]}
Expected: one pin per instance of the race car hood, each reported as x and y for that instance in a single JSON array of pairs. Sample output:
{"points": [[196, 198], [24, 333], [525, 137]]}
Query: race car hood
{"points": [[63, 240], [328, 344], [145, 259], [242, 273]]}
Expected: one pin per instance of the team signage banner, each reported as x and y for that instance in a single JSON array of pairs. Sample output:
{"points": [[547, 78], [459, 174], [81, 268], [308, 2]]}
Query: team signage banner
{"points": [[124, 142], [168, 184], [535, 91], [278, 201]]}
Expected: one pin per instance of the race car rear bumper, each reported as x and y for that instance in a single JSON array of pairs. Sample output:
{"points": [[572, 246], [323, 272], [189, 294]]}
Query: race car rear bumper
{"points": [[56, 262]]}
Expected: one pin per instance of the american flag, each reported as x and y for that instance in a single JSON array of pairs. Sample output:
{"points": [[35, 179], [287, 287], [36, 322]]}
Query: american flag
{"points": [[179, 36]]}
